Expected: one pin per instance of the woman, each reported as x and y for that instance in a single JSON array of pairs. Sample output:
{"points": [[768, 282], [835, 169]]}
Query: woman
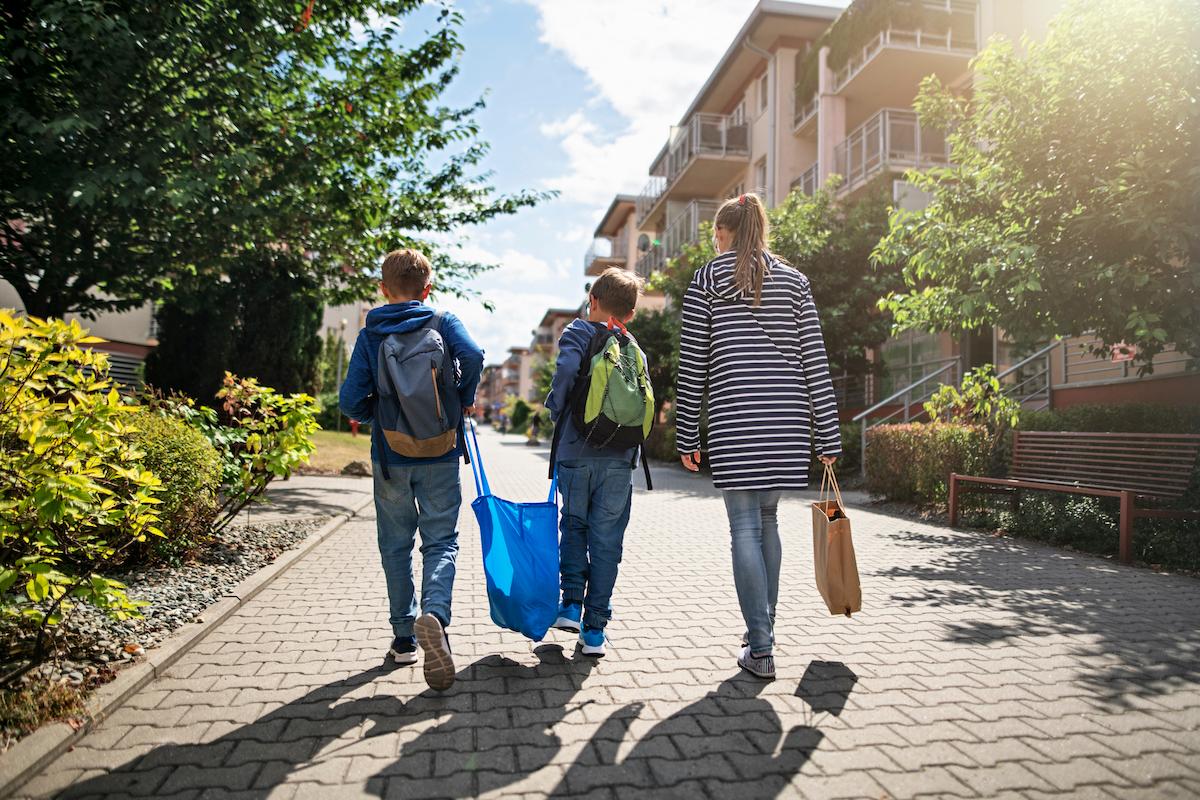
{"points": [[752, 339]]}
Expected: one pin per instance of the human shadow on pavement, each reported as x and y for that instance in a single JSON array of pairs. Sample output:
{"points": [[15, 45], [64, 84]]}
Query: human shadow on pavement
{"points": [[252, 760], [729, 735], [1001, 589]]}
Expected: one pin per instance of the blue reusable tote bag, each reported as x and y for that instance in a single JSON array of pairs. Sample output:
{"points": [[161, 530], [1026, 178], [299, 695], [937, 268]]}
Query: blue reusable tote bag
{"points": [[520, 554]]}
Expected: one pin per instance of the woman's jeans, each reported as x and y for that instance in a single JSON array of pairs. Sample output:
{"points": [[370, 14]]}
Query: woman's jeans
{"points": [[757, 552]]}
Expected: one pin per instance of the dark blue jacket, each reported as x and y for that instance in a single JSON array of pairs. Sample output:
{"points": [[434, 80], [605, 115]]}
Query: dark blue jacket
{"points": [[572, 347], [357, 397]]}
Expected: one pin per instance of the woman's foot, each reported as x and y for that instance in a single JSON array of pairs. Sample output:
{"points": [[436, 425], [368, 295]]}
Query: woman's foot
{"points": [[758, 666]]}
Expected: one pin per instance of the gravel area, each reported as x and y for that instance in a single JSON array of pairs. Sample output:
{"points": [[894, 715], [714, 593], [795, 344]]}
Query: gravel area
{"points": [[91, 644]]}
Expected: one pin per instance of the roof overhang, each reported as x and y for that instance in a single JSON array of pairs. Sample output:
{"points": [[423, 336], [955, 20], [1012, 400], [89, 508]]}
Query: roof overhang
{"points": [[621, 206]]}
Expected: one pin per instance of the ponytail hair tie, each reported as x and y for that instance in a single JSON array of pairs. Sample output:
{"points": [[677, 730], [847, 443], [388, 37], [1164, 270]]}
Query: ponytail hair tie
{"points": [[742, 200]]}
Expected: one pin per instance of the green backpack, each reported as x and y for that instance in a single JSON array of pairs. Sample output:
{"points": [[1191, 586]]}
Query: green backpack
{"points": [[612, 402]]}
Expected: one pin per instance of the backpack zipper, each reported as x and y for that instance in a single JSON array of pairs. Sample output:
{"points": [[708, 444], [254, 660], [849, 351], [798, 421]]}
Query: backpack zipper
{"points": [[437, 397]]}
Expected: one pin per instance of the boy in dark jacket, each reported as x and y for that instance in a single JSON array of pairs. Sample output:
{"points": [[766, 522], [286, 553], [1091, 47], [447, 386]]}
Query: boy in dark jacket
{"points": [[596, 483], [413, 493]]}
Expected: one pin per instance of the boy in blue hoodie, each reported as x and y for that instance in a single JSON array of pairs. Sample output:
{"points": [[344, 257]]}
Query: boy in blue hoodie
{"points": [[414, 493], [596, 483]]}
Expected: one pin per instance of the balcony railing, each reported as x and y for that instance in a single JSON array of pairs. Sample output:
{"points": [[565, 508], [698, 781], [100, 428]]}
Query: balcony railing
{"points": [[706, 134], [809, 180], [959, 38], [649, 195], [806, 109], [684, 227], [651, 261], [891, 139]]}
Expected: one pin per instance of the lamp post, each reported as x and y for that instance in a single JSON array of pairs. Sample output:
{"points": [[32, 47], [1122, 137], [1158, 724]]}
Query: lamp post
{"points": [[340, 355]]}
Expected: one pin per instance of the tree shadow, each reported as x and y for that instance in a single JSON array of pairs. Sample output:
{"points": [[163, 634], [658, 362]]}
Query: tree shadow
{"points": [[1145, 621], [826, 686], [251, 761], [729, 734]]}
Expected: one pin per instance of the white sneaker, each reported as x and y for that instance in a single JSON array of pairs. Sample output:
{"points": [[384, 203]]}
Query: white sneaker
{"points": [[758, 666]]}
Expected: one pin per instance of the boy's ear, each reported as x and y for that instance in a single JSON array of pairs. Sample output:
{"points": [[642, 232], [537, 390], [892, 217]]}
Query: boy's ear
{"points": [[425, 292], [629, 316]]}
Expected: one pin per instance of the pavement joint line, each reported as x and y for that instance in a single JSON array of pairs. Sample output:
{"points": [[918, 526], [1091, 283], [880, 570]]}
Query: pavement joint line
{"points": [[27, 758]]}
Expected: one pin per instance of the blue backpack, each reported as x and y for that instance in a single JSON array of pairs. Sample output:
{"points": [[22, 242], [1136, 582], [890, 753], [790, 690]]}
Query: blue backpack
{"points": [[417, 407]]}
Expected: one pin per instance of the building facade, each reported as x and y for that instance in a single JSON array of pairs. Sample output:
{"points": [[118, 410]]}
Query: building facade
{"points": [[791, 104]]}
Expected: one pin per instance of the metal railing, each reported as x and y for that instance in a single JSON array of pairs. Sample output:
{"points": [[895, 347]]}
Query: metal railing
{"points": [[914, 394], [684, 227], [1029, 380], [602, 247], [958, 39], [649, 195], [706, 134], [806, 109], [853, 391], [649, 262], [809, 180], [891, 139]]}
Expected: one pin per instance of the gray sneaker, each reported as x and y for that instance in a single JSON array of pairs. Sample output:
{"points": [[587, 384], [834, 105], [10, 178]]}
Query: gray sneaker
{"points": [[758, 666], [439, 663]]}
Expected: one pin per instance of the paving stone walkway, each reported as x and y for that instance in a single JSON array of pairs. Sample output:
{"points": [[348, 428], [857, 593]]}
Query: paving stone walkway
{"points": [[979, 667]]}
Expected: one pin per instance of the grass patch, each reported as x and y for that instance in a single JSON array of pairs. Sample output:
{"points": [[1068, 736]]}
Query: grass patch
{"points": [[337, 449], [24, 710]]}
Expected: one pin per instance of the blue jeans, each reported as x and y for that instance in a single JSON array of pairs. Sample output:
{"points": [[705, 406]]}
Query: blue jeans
{"points": [[423, 497], [757, 553], [596, 494]]}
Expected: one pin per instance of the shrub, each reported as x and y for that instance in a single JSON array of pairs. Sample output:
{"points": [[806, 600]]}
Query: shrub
{"points": [[1127, 418], [913, 462], [73, 497], [190, 470], [518, 415]]}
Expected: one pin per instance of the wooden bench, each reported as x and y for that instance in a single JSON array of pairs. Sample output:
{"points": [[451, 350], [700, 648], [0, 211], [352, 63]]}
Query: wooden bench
{"points": [[1133, 467]]}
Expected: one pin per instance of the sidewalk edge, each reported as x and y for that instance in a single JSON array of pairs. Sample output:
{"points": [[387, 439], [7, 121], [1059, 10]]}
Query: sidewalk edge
{"points": [[30, 756]]}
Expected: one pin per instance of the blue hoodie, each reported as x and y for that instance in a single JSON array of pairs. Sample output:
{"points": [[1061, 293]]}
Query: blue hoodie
{"points": [[572, 347], [357, 397]]}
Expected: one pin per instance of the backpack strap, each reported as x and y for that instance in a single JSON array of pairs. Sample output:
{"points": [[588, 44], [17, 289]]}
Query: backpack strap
{"points": [[646, 467]]}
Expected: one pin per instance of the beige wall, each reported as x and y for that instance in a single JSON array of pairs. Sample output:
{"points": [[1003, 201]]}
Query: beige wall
{"points": [[130, 327]]}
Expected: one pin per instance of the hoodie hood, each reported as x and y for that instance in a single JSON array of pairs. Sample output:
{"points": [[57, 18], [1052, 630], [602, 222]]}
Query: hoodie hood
{"points": [[398, 317], [717, 281]]}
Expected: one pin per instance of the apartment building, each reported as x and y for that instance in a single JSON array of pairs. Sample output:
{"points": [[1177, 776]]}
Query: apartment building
{"points": [[804, 92], [619, 241]]}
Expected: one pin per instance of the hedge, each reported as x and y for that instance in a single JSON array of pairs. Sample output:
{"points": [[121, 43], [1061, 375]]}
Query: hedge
{"points": [[913, 462], [190, 470]]}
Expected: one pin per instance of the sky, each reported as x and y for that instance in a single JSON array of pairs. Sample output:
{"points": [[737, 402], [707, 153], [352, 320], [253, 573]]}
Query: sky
{"points": [[580, 97]]}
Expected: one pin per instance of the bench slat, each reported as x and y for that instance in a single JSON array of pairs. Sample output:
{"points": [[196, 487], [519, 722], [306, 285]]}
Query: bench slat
{"points": [[1148, 490], [1174, 455], [1079, 466], [1183, 437]]}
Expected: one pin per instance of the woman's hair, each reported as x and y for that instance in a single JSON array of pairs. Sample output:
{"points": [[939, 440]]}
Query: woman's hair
{"points": [[745, 217]]}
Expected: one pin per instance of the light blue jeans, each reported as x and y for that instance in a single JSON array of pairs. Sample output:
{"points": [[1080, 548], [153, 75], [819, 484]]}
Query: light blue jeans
{"points": [[423, 497], [596, 495], [757, 553]]}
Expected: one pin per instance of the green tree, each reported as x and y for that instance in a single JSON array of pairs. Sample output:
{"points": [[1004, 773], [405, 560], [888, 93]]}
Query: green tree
{"points": [[147, 142], [657, 333], [1072, 201], [262, 322]]}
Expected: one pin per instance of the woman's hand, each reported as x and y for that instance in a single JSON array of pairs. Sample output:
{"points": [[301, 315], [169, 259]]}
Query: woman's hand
{"points": [[827, 460], [691, 461]]}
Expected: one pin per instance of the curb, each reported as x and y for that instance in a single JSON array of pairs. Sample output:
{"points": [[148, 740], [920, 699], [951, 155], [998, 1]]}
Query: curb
{"points": [[28, 757]]}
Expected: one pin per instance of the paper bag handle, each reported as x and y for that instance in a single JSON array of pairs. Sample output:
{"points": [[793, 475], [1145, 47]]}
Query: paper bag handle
{"points": [[829, 480]]}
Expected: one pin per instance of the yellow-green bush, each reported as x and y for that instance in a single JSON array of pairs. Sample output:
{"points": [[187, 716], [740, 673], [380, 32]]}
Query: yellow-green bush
{"points": [[73, 496], [190, 470], [913, 462]]}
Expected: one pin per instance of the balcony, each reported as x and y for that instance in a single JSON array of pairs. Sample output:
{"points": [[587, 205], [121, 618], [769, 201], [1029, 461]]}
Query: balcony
{"points": [[891, 140], [903, 56], [703, 157], [806, 111], [809, 180], [684, 228], [605, 252], [651, 261]]}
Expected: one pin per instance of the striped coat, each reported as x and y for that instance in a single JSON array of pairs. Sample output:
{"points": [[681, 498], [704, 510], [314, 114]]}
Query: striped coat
{"points": [[770, 398]]}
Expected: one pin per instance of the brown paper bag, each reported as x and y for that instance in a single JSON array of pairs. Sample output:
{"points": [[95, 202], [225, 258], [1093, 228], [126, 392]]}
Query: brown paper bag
{"points": [[833, 551]]}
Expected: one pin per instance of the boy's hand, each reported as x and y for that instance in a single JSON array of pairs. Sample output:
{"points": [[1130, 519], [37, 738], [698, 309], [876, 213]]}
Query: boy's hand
{"points": [[827, 460], [691, 461]]}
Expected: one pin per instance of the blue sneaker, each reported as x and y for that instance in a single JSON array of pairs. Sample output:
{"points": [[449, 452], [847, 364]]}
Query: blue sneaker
{"points": [[569, 616], [591, 642]]}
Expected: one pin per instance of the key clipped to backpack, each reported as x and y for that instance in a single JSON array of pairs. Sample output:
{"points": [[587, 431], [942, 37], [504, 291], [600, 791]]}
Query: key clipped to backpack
{"points": [[418, 407]]}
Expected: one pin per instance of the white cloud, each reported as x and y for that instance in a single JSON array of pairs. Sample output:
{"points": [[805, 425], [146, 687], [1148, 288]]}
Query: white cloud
{"points": [[647, 60], [517, 313]]}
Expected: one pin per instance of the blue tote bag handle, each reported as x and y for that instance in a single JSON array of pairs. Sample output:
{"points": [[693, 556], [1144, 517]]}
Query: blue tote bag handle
{"points": [[482, 488]]}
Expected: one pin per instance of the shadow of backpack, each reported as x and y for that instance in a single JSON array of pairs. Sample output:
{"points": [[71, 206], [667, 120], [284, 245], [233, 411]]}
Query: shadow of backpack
{"points": [[417, 408], [611, 401]]}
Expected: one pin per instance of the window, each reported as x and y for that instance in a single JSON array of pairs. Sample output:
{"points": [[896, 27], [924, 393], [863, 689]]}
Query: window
{"points": [[760, 175], [763, 94], [738, 190], [738, 117]]}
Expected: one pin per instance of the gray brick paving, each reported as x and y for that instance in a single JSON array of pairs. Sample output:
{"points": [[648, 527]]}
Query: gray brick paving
{"points": [[979, 667]]}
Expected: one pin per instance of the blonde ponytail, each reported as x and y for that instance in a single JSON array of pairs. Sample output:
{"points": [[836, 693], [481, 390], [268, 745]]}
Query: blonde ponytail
{"points": [[746, 218]]}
